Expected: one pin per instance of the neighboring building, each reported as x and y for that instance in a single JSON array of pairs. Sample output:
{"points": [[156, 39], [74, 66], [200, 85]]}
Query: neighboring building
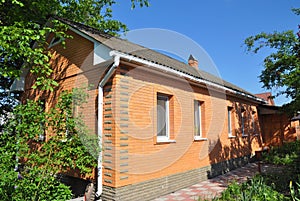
{"points": [[296, 122], [267, 97], [276, 126], [164, 124]]}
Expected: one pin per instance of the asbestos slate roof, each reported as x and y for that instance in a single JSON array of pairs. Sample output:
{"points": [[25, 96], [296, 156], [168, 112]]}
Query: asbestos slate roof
{"points": [[141, 52]]}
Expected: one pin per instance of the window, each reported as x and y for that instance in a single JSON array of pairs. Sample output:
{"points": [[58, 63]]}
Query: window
{"points": [[229, 114], [42, 135], [253, 122], [243, 122], [55, 41], [162, 118], [197, 120]]}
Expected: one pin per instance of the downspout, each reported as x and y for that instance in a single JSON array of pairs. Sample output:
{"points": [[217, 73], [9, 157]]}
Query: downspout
{"points": [[100, 121]]}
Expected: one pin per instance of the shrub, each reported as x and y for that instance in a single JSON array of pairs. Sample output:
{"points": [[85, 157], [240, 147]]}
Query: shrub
{"points": [[38, 161], [253, 190], [295, 191], [287, 154]]}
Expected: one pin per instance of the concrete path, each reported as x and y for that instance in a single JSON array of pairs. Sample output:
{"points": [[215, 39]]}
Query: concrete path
{"points": [[213, 187]]}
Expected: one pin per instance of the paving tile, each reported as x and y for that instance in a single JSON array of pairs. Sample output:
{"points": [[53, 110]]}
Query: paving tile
{"points": [[213, 187], [192, 193], [179, 198], [197, 185], [175, 194], [202, 189], [217, 188]]}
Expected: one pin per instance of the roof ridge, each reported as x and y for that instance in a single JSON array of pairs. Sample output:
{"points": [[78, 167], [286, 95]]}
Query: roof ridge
{"points": [[127, 47], [81, 25], [104, 34]]}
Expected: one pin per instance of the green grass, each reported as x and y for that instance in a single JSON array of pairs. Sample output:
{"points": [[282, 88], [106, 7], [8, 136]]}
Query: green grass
{"points": [[253, 190], [281, 182], [287, 154]]}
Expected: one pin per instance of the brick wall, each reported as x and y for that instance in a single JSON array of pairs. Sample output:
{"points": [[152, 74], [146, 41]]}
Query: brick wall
{"points": [[131, 153], [72, 68], [154, 188], [277, 128]]}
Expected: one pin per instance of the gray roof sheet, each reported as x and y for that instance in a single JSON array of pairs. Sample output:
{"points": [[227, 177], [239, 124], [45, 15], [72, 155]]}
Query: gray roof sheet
{"points": [[139, 51]]}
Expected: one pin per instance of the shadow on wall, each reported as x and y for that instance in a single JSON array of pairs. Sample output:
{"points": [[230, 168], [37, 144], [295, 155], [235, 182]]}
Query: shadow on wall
{"points": [[59, 74], [277, 128], [237, 150]]}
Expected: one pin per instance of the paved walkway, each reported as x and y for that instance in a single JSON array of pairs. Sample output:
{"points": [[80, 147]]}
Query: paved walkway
{"points": [[213, 187]]}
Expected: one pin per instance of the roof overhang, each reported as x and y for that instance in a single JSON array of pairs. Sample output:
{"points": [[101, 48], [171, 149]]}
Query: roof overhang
{"points": [[269, 109], [169, 70], [165, 68]]}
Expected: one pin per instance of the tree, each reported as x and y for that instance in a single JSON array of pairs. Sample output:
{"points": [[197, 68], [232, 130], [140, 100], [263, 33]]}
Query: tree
{"points": [[25, 26], [282, 66], [39, 162]]}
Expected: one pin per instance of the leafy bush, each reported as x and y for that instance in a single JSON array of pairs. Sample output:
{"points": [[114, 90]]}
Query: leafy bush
{"points": [[295, 191], [288, 157], [39, 161], [253, 190], [275, 182], [287, 154]]}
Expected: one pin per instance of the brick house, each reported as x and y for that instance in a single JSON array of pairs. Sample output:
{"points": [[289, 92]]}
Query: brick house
{"points": [[164, 124], [276, 126]]}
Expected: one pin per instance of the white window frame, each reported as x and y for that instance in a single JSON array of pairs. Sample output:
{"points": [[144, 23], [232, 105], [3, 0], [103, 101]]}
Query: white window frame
{"points": [[197, 135], [165, 138]]}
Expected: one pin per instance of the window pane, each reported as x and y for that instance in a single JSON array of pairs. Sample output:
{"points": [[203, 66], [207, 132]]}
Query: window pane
{"points": [[162, 115], [253, 123], [243, 124], [197, 118], [229, 121]]}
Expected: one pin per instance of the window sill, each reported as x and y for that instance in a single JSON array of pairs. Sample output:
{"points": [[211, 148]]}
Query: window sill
{"points": [[256, 134], [245, 135], [165, 141], [231, 136], [200, 139]]}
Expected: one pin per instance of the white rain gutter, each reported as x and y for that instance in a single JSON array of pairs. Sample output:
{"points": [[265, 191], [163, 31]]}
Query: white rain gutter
{"points": [[100, 120], [181, 74]]}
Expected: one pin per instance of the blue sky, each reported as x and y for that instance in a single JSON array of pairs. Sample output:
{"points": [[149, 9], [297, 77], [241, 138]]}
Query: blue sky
{"points": [[219, 27]]}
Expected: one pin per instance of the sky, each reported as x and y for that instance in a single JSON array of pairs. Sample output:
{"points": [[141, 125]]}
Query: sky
{"points": [[218, 27]]}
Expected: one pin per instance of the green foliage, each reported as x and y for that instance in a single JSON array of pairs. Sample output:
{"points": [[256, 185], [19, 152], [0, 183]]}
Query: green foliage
{"points": [[25, 26], [287, 154], [276, 182], [282, 66], [295, 191], [286, 157], [253, 190], [40, 161]]}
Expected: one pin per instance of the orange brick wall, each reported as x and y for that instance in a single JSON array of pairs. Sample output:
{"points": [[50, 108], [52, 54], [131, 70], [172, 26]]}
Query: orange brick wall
{"points": [[136, 156], [72, 68], [277, 128]]}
